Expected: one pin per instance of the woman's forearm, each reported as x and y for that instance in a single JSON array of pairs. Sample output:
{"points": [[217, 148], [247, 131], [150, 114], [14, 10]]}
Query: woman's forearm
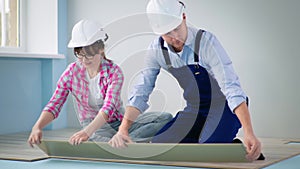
{"points": [[97, 123], [44, 119]]}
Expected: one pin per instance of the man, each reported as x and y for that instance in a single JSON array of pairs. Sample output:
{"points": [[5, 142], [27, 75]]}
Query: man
{"points": [[216, 106]]}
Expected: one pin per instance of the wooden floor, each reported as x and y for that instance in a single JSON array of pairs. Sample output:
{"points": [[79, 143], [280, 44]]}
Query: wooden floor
{"points": [[15, 147]]}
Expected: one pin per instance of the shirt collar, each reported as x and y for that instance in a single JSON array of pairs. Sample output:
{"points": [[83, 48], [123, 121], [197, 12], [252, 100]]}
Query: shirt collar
{"points": [[104, 67]]}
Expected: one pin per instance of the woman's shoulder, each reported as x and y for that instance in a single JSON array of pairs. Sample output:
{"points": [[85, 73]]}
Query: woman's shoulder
{"points": [[112, 67], [74, 68], [76, 65], [108, 63]]}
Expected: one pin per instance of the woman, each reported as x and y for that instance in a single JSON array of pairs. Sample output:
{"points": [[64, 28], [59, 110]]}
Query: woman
{"points": [[95, 83]]}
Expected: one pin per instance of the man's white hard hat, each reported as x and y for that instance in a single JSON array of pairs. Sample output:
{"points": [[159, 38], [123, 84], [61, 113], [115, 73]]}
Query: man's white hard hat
{"points": [[164, 15], [85, 33]]}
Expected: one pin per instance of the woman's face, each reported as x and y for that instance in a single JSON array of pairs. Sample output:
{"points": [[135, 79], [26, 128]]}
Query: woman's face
{"points": [[90, 61]]}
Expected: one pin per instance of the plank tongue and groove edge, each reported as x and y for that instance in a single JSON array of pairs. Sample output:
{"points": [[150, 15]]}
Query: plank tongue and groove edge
{"points": [[147, 151]]}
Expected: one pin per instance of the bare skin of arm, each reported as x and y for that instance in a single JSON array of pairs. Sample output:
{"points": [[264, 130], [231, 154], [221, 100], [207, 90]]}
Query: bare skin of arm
{"points": [[77, 138], [253, 145], [36, 132], [120, 139], [84, 134]]}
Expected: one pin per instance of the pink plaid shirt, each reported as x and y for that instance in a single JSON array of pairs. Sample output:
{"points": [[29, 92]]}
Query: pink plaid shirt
{"points": [[74, 80]]}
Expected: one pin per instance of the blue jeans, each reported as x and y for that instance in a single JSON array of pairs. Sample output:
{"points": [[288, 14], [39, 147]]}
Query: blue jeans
{"points": [[142, 130]]}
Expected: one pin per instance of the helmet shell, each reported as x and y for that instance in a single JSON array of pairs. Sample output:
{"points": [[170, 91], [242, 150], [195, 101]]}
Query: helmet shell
{"points": [[85, 33], [164, 15]]}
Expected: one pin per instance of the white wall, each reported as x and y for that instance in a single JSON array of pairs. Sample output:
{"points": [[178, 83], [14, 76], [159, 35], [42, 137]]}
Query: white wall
{"points": [[261, 38], [41, 25]]}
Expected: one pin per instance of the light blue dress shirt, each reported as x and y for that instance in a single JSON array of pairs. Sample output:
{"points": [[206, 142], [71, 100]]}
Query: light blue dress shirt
{"points": [[212, 57]]}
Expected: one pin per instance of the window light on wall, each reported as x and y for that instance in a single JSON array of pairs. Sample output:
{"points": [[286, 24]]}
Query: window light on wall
{"points": [[9, 34]]}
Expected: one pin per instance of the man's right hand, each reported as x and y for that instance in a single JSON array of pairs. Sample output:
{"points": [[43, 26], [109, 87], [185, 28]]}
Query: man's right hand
{"points": [[35, 137], [120, 140]]}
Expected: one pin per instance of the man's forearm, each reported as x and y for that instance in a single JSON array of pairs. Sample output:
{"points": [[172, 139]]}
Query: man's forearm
{"points": [[130, 116], [244, 116]]}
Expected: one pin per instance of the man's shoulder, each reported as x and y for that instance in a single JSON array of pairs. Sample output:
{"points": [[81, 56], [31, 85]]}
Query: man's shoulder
{"points": [[194, 30], [206, 34], [155, 43]]}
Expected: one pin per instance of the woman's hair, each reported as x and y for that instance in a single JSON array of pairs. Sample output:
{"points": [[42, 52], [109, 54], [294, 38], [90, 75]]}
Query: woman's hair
{"points": [[93, 49]]}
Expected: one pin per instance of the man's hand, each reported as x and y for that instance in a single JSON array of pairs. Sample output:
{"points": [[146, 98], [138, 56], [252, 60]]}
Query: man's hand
{"points": [[120, 140], [253, 147], [78, 138]]}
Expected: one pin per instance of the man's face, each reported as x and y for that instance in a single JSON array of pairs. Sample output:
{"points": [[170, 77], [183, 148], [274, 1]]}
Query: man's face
{"points": [[177, 37]]}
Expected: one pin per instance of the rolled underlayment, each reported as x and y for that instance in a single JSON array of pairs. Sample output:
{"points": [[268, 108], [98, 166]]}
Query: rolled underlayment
{"points": [[147, 151], [15, 147]]}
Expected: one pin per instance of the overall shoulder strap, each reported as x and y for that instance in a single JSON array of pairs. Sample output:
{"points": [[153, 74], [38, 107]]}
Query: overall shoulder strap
{"points": [[196, 48], [165, 52], [197, 45]]}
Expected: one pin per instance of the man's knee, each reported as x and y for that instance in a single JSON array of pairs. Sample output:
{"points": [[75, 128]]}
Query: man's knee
{"points": [[165, 117]]}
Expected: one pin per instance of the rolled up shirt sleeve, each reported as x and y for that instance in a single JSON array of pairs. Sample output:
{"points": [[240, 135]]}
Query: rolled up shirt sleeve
{"points": [[141, 91], [112, 100], [145, 84], [60, 94], [220, 67]]}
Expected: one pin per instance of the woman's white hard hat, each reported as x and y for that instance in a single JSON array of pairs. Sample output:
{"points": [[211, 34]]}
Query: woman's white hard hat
{"points": [[85, 33], [164, 15]]}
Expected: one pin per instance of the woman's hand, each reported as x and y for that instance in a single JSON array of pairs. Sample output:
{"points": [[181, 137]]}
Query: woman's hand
{"points": [[78, 138], [35, 137]]}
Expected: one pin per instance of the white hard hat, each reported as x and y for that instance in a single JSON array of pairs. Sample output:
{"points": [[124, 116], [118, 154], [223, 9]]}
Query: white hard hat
{"points": [[164, 15], [86, 32]]}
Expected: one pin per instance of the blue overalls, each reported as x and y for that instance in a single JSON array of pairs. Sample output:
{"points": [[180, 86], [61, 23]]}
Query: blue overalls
{"points": [[207, 117]]}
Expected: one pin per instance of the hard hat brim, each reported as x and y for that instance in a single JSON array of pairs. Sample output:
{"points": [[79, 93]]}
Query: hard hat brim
{"points": [[100, 35], [162, 23], [85, 33]]}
